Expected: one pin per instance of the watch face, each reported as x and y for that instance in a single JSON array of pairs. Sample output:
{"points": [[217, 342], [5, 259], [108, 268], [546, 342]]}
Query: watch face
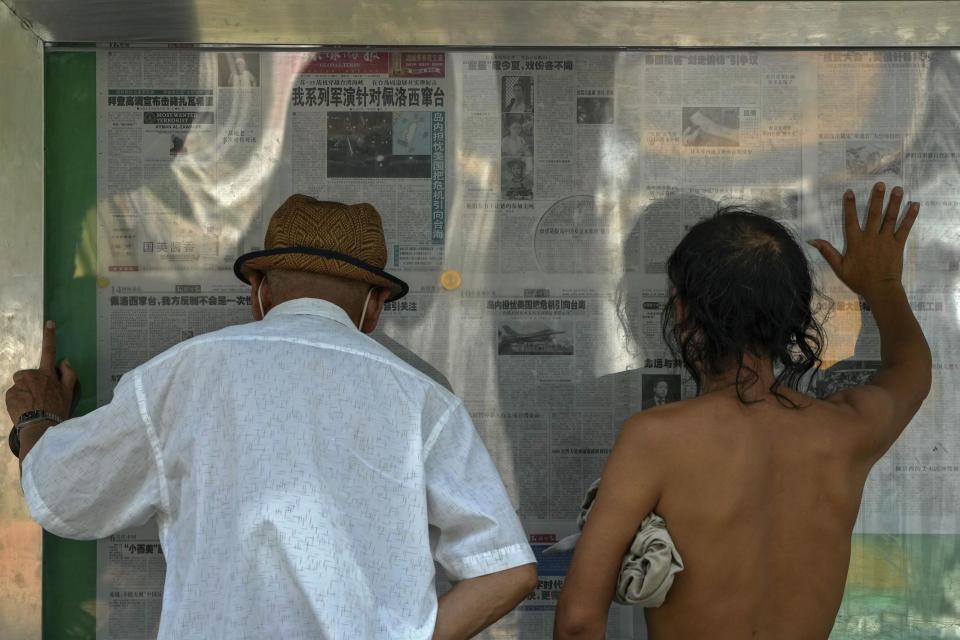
{"points": [[14, 441]]}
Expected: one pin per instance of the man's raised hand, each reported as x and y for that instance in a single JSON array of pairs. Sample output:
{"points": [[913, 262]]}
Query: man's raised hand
{"points": [[872, 260], [49, 387]]}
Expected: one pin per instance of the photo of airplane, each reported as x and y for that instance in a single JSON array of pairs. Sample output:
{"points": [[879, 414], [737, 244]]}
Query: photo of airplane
{"points": [[542, 341]]}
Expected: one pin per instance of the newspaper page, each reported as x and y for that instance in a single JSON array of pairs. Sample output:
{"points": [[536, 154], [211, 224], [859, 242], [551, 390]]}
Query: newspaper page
{"points": [[130, 574], [897, 134], [530, 199]]}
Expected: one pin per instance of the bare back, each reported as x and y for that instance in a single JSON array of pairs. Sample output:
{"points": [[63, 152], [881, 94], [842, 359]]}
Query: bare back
{"points": [[760, 498], [761, 501]]}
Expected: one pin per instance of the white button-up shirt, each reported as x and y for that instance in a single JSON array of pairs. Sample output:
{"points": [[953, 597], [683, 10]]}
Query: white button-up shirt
{"points": [[302, 477]]}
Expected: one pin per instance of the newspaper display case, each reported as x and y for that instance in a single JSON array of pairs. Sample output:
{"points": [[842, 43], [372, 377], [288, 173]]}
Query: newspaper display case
{"points": [[532, 184]]}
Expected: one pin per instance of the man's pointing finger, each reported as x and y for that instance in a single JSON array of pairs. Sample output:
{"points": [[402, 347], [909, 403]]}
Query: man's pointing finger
{"points": [[48, 348]]}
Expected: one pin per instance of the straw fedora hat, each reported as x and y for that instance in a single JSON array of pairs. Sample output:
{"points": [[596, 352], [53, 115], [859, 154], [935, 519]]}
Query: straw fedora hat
{"points": [[331, 238]]}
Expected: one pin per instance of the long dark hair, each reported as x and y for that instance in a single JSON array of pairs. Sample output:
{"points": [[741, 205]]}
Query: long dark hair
{"points": [[744, 286]]}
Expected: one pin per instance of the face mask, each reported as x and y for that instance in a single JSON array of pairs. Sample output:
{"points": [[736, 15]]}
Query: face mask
{"points": [[362, 314]]}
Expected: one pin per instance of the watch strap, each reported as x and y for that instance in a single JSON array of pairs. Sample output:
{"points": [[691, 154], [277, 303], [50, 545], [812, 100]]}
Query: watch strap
{"points": [[27, 419], [37, 414]]}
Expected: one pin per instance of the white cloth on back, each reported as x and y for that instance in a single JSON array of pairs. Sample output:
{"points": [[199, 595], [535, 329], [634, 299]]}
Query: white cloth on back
{"points": [[302, 477], [649, 565]]}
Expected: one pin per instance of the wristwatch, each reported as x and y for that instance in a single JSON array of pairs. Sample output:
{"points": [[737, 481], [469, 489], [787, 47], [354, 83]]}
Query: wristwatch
{"points": [[26, 419]]}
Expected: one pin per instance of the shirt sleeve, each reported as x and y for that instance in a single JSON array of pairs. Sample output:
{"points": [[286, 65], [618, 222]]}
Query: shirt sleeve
{"points": [[475, 528], [91, 476]]}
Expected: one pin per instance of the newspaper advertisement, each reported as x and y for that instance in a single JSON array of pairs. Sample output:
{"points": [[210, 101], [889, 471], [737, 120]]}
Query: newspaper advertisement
{"points": [[530, 199], [130, 574]]}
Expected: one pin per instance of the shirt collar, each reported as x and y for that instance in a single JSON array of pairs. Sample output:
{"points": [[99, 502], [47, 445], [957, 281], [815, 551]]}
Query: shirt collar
{"points": [[311, 307]]}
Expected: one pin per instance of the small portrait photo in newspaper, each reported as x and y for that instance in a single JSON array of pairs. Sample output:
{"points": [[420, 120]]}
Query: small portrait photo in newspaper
{"points": [[516, 157], [659, 389], [517, 94], [238, 70]]}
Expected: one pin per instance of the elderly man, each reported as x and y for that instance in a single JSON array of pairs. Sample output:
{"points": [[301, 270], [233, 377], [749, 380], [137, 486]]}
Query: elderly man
{"points": [[304, 480]]}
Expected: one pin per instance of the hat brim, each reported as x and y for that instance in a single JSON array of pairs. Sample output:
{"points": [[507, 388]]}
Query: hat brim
{"points": [[321, 261]]}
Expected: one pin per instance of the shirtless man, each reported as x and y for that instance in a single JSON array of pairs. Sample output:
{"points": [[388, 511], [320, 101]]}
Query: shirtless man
{"points": [[759, 485]]}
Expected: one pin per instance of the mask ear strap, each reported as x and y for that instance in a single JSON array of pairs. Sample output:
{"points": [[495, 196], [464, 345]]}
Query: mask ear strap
{"points": [[259, 301], [363, 314]]}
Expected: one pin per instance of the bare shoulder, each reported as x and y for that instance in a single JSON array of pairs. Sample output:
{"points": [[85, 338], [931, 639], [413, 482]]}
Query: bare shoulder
{"points": [[867, 415], [659, 425], [672, 427], [845, 422], [861, 400], [640, 462]]}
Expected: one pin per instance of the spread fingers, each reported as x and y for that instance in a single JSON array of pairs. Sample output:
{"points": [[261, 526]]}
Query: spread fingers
{"points": [[875, 209], [913, 210], [893, 210]]}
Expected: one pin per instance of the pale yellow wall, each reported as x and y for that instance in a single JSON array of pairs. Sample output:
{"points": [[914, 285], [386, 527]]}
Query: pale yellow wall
{"points": [[21, 304]]}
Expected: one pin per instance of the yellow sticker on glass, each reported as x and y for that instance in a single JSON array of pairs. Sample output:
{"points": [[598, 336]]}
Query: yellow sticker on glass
{"points": [[450, 280]]}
